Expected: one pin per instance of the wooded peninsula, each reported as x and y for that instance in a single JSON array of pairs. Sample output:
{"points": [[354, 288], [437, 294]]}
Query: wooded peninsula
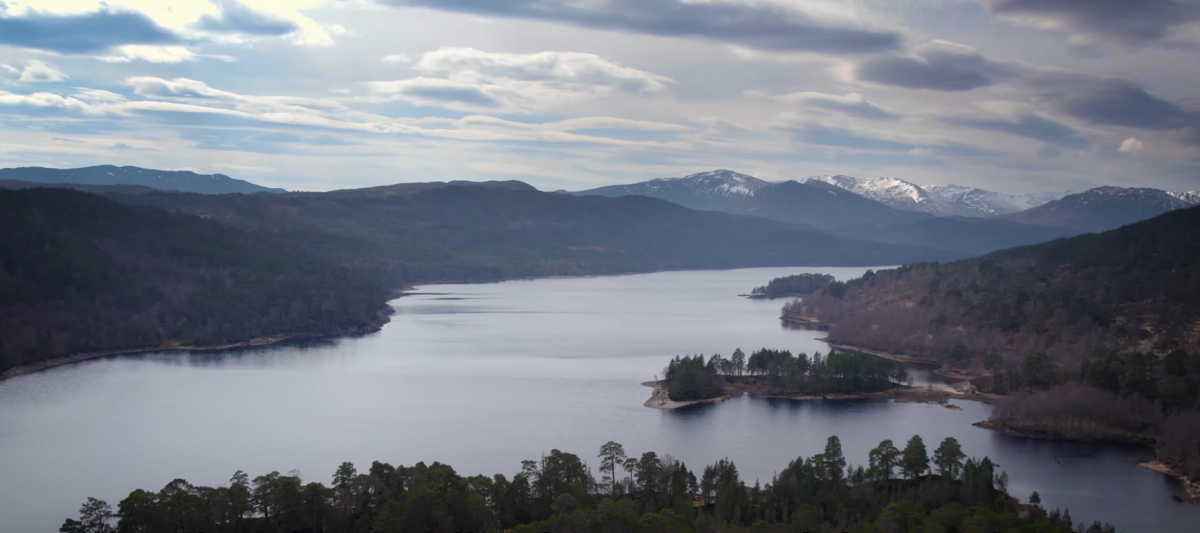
{"points": [[1095, 337]]}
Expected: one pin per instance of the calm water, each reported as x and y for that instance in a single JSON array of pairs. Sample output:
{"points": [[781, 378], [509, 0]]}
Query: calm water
{"points": [[481, 377]]}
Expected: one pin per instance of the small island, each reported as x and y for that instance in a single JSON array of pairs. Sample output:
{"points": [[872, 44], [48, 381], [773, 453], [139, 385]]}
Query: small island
{"points": [[797, 285], [769, 373]]}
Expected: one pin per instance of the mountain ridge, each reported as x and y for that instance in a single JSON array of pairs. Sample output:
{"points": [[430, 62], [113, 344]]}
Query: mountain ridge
{"points": [[178, 180]]}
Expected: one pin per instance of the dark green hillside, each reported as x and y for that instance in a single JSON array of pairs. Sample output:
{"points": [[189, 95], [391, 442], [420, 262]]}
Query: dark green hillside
{"points": [[1133, 288], [79, 273], [477, 233]]}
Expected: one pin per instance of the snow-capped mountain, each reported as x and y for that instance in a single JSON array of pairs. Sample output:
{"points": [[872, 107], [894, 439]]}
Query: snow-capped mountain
{"points": [[714, 190], [1102, 208], [1191, 197], [893, 192], [983, 203]]}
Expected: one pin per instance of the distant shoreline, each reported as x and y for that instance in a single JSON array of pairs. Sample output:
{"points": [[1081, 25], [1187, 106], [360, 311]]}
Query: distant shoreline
{"points": [[385, 316]]}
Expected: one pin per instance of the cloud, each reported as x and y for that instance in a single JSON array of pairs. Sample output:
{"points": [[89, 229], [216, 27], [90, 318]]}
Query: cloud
{"points": [[1027, 125], [472, 80], [558, 67], [575, 124], [152, 54], [397, 58], [436, 92], [177, 88], [236, 17], [1101, 23], [40, 72], [1132, 146], [85, 33], [936, 66], [822, 135], [1108, 101], [814, 26], [853, 105]]}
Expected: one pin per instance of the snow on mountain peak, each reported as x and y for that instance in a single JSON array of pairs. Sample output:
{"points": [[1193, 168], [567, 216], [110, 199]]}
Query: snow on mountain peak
{"points": [[981, 202], [893, 192]]}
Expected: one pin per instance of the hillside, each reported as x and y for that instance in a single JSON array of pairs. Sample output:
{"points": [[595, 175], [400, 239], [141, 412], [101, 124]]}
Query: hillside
{"points": [[1134, 288], [718, 190], [478, 233], [79, 273], [96, 189], [1102, 208], [168, 180], [822, 206], [970, 235]]}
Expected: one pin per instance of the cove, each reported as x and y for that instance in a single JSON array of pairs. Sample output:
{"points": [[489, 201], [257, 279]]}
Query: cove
{"points": [[483, 376]]}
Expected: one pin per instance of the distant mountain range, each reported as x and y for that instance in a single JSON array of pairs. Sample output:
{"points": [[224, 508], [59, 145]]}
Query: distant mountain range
{"points": [[893, 192], [1104, 208], [717, 190], [982, 203], [167, 180], [895, 211]]}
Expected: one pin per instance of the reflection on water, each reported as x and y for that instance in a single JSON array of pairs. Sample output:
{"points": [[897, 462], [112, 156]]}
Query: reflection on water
{"points": [[483, 376]]}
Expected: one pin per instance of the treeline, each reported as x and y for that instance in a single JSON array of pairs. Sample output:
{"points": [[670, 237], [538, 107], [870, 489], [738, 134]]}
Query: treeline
{"points": [[1122, 290], [79, 273], [901, 491], [1136, 397], [796, 284], [780, 372]]}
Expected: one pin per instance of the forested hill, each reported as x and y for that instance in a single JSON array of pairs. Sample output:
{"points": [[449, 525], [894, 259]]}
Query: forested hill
{"points": [[79, 273], [477, 233], [82, 273], [1133, 288], [171, 180]]}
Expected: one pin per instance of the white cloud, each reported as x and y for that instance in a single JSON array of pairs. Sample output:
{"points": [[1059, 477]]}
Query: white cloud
{"points": [[177, 88], [151, 54], [397, 58], [1132, 146], [853, 104], [40, 72], [473, 80], [558, 67]]}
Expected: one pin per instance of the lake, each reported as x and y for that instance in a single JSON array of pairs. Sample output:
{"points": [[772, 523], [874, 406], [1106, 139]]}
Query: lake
{"points": [[483, 376]]}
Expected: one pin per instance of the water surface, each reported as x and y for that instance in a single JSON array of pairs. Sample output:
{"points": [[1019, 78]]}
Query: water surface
{"points": [[483, 376]]}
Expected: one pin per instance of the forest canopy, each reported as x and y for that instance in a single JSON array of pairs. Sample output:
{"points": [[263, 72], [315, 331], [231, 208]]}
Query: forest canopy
{"points": [[904, 490], [1136, 288], [793, 285], [779, 372]]}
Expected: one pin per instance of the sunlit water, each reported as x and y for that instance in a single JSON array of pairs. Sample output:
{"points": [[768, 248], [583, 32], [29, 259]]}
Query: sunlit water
{"points": [[483, 376]]}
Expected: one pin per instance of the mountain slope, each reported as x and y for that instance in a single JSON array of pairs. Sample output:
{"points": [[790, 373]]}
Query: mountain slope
{"points": [[985, 203], [717, 190], [1100, 209], [892, 192], [970, 235], [1132, 288], [822, 206], [79, 273], [124, 189], [413, 188], [168, 180], [476, 233]]}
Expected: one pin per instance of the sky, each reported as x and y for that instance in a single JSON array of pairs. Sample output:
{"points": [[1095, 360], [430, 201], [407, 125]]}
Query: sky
{"points": [[1015, 96]]}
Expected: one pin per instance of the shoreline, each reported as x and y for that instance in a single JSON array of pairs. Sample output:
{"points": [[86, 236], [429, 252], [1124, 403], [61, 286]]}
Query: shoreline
{"points": [[1190, 488], [659, 398], [385, 316]]}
